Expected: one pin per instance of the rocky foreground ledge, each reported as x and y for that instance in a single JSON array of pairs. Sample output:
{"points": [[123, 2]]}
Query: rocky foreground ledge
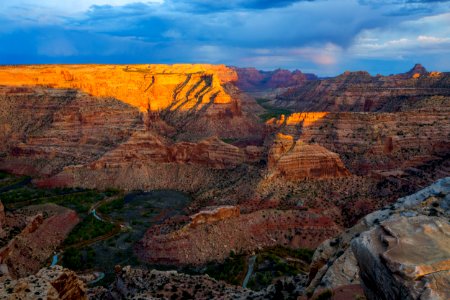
{"points": [[399, 252]]}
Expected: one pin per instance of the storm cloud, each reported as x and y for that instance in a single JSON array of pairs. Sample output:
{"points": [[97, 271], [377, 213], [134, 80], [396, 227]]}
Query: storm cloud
{"points": [[325, 37]]}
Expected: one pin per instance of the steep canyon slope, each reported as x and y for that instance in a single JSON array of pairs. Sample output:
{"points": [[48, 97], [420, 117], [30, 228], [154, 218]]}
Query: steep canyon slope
{"points": [[124, 119], [359, 91]]}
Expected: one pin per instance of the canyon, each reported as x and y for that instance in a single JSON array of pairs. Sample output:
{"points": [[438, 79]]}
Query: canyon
{"points": [[331, 152], [359, 91]]}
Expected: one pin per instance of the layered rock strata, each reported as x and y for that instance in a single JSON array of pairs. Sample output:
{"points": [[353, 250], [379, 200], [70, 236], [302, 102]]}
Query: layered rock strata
{"points": [[296, 160], [239, 233], [153, 87], [368, 142], [359, 91], [47, 129], [214, 214], [26, 252]]}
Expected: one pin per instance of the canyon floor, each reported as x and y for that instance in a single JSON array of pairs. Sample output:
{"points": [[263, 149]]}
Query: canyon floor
{"points": [[250, 184]]}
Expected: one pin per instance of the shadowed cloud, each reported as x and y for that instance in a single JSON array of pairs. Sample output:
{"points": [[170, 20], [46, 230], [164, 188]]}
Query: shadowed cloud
{"points": [[325, 37]]}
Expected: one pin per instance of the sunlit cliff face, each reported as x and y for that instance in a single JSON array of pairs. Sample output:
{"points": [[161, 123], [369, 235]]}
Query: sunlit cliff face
{"points": [[303, 119], [147, 87]]}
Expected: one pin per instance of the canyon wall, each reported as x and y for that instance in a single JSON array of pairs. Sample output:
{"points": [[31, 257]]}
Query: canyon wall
{"points": [[153, 87], [368, 142], [359, 91], [102, 126], [214, 239], [197, 100]]}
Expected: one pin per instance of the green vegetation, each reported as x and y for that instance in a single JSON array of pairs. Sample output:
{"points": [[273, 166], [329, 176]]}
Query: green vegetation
{"points": [[302, 253], [4, 175], [232, 270], [272, 112], [77, 259], [88, 229], [276, 262], [77, 199], [229, 140], [270, 264], [9, 180], [116, 204]]}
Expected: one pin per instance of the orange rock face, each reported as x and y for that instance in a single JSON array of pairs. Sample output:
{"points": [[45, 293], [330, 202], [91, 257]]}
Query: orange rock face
{"points": [[214, 215], [147, 87], [47, 131], [297, 119]]}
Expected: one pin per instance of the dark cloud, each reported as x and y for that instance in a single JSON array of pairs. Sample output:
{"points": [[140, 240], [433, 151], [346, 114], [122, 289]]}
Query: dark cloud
{"points": [[207, 6], [316, 36]]}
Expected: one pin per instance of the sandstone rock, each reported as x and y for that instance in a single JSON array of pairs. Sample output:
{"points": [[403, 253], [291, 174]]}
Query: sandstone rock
{"points": [[144, 86], [401, 251], [49, 129], [368, 142], [244, 233], [214, 214], [195, 99], [343, 271], [60, 133], [297, 160], [358, 91], [134, 283], [407, 258], [418, 69], [50, 283], [28, 251]]}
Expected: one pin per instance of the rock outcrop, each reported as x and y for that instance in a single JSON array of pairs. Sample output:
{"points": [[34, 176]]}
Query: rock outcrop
{"points": [[296, 160], [214, 214], [399, 252], [183, 166], [50, 283], [405, 258], [133, 283], [206, 242], [47, 129], [26, 252]]}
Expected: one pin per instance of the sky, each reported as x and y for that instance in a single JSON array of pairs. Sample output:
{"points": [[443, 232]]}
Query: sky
{"points": [[325, 37]]}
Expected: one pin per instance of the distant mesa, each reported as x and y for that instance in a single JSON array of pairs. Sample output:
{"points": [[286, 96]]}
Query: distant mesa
{"points": [[253, 80], [360, 92]]}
